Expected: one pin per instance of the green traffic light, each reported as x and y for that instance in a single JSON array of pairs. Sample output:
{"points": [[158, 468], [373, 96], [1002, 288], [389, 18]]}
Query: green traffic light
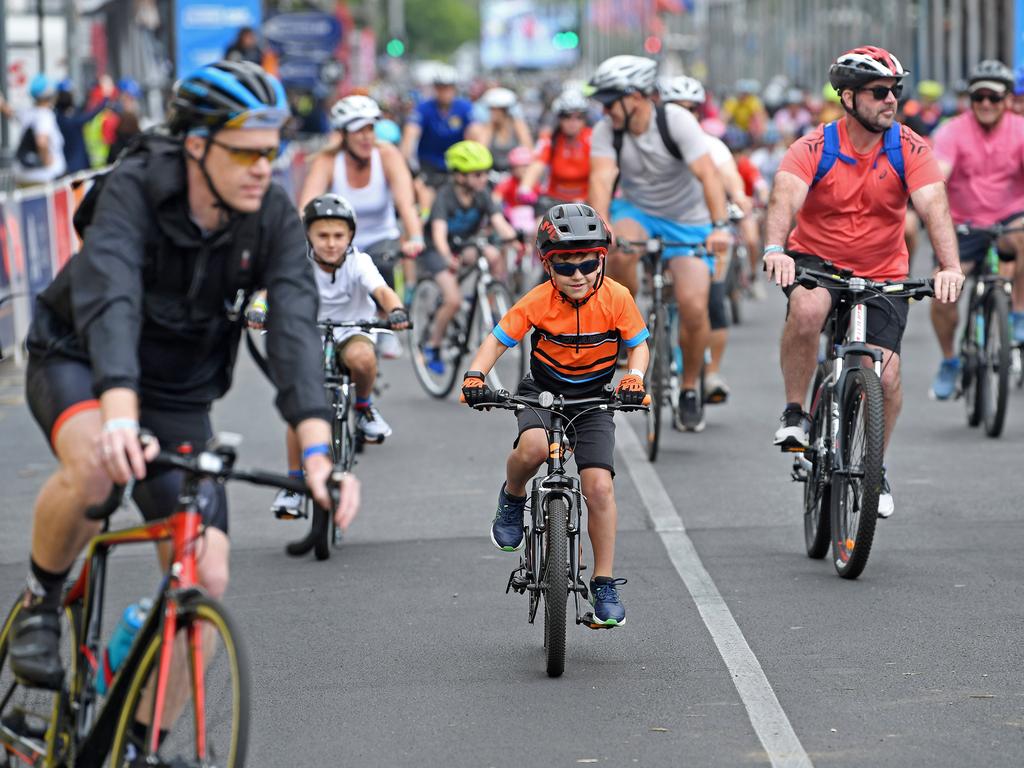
{"points": [[395, 47], [564, 41]]}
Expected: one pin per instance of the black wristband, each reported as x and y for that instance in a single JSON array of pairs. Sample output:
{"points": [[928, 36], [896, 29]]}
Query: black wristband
{"points": [[723, 224], [473, 375]]}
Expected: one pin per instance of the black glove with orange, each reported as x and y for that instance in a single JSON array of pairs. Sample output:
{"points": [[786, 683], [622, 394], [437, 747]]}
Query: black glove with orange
{"points": [[631, 390], [475, 390]]}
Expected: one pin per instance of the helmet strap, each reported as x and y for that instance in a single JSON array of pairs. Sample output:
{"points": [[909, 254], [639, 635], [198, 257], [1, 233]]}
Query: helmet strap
{"points": [[219, 202], [856, 115]]}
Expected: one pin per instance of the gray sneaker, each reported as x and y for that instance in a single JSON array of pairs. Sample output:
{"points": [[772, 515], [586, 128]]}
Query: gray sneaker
{"points": [[691, 411], [288, 505]]}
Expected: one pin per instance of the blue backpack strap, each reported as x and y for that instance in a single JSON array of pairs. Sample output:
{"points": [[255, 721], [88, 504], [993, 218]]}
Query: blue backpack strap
{"points": [[830, 153], [892, 145]]}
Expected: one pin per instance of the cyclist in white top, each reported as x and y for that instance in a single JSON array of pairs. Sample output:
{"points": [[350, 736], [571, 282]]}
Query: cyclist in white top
{"points": [[375, 180], [677, 197]]}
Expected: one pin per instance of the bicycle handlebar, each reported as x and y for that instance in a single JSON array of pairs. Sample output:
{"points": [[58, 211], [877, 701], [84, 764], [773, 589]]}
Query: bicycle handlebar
{"points": [[994, 232], [364, 324], [653, 245], [812, 278], [507, 401]]}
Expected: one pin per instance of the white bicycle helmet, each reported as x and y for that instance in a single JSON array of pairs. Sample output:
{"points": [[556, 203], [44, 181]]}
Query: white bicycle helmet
{"points": [[681, 88], [619, 75], [570, 103], [991, 73], [353, 113], [858, 67], [444, 74], [499, 98]]}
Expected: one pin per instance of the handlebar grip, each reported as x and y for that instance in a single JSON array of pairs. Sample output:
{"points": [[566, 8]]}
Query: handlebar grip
{"points": [[108, 506]]}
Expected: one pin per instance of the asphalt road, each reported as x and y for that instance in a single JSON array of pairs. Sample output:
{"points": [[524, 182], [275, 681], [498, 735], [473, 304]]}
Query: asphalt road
{"points": [[403, 649]]}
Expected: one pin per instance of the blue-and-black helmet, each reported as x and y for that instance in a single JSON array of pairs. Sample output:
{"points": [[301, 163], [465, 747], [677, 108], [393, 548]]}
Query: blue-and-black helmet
{"points": [[227, 94]]}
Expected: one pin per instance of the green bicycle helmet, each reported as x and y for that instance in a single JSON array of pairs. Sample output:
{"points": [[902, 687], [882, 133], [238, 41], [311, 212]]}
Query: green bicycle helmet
{"points": [[468, 157]]}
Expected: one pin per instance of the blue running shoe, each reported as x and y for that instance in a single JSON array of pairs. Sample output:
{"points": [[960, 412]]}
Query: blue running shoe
{"points": [[944, 384], [1017, 327], [604, 596], [432, 357], [507, 528]]}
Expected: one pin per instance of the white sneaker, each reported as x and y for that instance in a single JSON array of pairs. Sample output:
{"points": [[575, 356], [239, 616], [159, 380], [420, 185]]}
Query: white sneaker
{"points": [[715, 388], [389, 345], [886, 506], [288, 505], [372, 425], [792, 435]]}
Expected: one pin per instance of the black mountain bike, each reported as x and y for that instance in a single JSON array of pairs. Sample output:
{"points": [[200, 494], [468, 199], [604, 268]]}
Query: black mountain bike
{"points": [[485, 302], [346, 440], [197, 709], [550, 566], [665, 369], [986, 347], [841, 468]]}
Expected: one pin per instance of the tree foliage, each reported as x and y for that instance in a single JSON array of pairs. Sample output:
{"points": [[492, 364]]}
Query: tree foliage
{"points": [[435, 28]]}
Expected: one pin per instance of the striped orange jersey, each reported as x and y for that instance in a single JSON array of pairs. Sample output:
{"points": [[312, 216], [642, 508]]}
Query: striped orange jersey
{"points": [[574, 349]]}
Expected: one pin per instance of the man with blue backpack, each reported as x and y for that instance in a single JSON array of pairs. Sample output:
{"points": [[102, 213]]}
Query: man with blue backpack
{"points": [[847, 183]]}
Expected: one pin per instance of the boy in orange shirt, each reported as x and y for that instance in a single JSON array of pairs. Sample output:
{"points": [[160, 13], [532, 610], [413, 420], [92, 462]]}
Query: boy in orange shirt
{"points": [[579, 319]]}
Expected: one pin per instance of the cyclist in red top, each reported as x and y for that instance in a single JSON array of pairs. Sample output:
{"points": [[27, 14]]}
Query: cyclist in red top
{"points": [[852, 215], [564, 156]]}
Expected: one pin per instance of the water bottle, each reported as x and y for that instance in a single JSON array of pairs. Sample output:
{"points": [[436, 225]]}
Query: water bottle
{"points": [[121, 642]]}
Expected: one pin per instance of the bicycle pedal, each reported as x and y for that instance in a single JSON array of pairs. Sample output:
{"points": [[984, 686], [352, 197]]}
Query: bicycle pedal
{"points": [[281, 514], [791, 448], [590, 622], [517, 582]]}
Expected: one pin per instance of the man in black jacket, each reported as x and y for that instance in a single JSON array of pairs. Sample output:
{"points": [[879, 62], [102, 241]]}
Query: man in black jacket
{"points": [[141, 330]]}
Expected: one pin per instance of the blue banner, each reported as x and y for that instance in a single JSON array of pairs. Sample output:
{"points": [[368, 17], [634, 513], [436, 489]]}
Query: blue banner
{"points": [[1018, 41], [204, 29], [305, 43], [35, 233]]}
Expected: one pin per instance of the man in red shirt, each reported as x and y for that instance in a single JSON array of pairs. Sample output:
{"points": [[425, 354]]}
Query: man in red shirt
{"points": [[853, 216]]}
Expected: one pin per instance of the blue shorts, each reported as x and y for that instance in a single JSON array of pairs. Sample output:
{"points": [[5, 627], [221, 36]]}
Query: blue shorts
{"points": [[669, 230]]}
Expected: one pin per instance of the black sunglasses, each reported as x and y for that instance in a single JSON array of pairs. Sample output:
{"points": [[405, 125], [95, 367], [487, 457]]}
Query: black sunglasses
{"points": [[991, 98], [568, 270], [881, 92]]}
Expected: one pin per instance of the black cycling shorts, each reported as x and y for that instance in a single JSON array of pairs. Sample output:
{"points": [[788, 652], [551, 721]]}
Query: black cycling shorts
{"points": [[434, 177], [591, 436], [57, 388], [385, 254], [974, 245], [887, 316]]}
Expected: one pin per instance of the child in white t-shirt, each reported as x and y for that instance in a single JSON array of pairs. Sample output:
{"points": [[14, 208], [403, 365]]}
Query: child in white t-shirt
{"points": [[350, 288]]}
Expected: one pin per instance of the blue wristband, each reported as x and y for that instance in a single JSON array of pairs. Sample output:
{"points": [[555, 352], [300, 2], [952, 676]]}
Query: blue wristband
{"points": [[313, 450]]}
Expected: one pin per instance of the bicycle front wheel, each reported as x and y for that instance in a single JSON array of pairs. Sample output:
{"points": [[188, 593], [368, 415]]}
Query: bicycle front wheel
{"points": [[857, 484], [436, 376], [970, 367], [657, 378], [556, 585], [994, 367], [511, 366], [206, 709], [818, 487]]}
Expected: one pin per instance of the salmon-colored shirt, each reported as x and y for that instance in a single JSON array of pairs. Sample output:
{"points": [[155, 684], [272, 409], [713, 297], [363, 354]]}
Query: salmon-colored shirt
{"points": [[854, 216], [987, 183]]}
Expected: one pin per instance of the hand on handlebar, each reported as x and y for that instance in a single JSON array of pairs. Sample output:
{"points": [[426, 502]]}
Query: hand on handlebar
{"points": [[475, 390], [123, 454], [631, 390], [318, 469], [412, 248], [948, 284], [718, 242], [780, 267], [399, 319], [256, 314]]}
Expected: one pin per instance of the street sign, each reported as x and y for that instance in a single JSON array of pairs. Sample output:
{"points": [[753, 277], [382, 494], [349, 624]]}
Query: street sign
{"points": [[306, 43]]}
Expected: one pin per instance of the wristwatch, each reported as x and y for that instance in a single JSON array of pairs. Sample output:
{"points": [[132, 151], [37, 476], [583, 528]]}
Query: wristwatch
{"points": [[721, 224]]}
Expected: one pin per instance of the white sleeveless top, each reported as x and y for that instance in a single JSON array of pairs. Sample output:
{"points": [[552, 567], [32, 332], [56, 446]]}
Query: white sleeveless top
{"points": [[373, 204]]}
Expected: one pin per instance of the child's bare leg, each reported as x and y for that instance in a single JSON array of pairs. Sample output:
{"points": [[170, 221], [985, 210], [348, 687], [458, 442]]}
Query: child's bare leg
{"points": [[602, 517]]}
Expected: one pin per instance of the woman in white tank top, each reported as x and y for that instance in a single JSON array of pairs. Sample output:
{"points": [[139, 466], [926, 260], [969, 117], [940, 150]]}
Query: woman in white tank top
{"points": [[372, 176]]}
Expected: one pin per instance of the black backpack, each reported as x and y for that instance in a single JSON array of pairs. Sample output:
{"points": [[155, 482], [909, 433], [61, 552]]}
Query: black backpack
{"points": [[27, 153], [661, 120]]}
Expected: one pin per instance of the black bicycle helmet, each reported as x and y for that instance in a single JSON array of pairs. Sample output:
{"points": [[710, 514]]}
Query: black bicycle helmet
{"points": [[227, 94], [572, 228], [329, 206]]}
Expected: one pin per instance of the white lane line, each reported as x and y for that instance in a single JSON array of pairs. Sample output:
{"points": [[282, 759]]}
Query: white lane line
{"points": [[766, 715]]}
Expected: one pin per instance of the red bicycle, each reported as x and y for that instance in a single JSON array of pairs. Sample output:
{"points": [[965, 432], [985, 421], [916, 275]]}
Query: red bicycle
{"points": [[181, 695]]}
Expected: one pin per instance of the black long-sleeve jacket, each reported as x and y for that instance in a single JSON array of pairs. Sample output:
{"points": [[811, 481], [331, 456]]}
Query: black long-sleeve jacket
{"points": [[145, 303]]}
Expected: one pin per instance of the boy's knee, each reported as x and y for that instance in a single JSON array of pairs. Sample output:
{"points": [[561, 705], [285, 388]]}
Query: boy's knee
{"points": [[533, 447], [86, 480], [598, 487]]}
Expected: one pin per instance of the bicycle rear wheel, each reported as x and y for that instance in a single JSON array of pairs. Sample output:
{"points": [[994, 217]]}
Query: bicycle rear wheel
{"points": [[994, 367], [970, 368], [818, 487], [657, 378], [556, 585], [206, 714], [511, 366], [34, 721], [857, 485], [426, 299]]}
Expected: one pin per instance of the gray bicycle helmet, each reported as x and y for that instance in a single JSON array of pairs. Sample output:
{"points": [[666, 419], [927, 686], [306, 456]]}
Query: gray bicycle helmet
{"points": [[619, 75], [991, 74], [681, 88], [570, 103], [329, 206]]}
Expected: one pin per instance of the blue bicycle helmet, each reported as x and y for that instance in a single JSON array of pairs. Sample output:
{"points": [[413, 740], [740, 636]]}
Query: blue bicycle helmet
{"points": [[227, 94]]}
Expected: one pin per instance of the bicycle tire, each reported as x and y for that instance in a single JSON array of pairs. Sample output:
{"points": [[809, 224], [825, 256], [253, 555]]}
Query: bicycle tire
{"points": [[734, 286], [994, 387], [818, 487], [344, 445], [969, 367], [31, 700], [510, 368], [426, 298], [657, 379], [556, 584], [232, 659], [855, 501]]}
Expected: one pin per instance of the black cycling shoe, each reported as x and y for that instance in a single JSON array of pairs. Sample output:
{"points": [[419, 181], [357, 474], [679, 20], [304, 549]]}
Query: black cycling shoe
{"points": [[34, 648]]}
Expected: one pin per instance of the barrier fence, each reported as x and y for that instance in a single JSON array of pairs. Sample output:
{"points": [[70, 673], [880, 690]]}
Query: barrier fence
{"points": [[37, 238]]}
